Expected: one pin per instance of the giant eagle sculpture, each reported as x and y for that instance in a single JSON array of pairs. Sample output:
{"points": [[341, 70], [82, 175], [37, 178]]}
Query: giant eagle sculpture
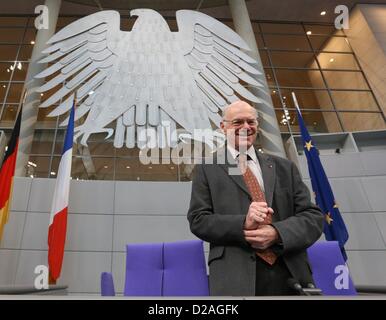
{"points": [[149, 81]]}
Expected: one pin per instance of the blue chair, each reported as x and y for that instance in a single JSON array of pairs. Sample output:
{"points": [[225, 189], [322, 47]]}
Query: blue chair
{"points": [[328, 265], [162, 269]]}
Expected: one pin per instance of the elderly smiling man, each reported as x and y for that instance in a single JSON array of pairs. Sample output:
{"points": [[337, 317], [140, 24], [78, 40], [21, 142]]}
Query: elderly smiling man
{"points": [[260, 222]]}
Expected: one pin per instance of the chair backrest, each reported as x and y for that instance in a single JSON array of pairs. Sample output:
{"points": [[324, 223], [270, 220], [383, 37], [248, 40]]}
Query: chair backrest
{"points": [[166, 269], [185, 269], [107, 285], [329, 269], [144, 269]]}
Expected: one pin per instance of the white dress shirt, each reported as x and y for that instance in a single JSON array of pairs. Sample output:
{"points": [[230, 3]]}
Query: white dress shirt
{"points": [[253, 163]]}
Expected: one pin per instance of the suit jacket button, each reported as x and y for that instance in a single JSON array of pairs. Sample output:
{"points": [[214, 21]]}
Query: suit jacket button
{"points": [[253, 257]]}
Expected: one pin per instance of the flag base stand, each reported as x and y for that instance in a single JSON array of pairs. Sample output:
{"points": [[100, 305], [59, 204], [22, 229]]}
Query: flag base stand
{"points": [[60, 290]]}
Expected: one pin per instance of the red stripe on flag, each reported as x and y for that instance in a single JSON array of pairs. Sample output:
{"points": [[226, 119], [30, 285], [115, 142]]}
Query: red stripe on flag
{"points": [[56, 241]]}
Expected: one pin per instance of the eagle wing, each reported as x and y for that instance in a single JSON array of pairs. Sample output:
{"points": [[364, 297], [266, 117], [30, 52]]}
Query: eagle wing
{"points": [[214, 53], [82, 56]]}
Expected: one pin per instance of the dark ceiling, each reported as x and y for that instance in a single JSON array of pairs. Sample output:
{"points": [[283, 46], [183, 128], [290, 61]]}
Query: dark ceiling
{"points": [[289, 10]]}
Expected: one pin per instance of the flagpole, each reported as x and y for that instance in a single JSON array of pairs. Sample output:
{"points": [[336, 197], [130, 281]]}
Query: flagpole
{"points": [[295, 101], [51, 279]]}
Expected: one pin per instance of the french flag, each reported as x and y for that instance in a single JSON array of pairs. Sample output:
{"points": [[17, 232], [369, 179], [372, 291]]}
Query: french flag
{"points": [[58, 218]]}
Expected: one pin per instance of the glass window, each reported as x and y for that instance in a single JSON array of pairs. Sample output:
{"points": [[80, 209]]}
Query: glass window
{"points": [[8, 52], [292, 59], [337, 61], [64, 21], [9, 115], [5, 72], [3, 91], [38, 166], [43, 119], [275, 97], [20, 71], [299, 78], [308, 99], [97, 145], [269, 76], [42, 141], [354, 100], [29, 36], [102, 168], [264, 58], [316, 122], [11, 35], [131, 169], [59, 142], [286, 42], [259, 40], [281, 28], [13, 21], [185, 172], [25, 52], [325, 43], [14, 94], [78, 170], [345, 80], [323, 30], [356, 121]]}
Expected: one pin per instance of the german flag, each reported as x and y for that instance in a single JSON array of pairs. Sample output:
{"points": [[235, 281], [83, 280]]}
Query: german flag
{"points": [[7, 172]]}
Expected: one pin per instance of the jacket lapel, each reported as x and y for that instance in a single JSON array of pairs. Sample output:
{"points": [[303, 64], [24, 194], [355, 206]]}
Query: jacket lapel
{"points": [[268, 171], [228, 164]]}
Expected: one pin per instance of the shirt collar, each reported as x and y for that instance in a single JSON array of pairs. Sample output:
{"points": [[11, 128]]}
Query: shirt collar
{"points": [[251, 152]]}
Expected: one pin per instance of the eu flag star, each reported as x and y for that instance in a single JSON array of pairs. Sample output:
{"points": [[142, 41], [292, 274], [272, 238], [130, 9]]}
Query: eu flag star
{"points": [[308, 145]]}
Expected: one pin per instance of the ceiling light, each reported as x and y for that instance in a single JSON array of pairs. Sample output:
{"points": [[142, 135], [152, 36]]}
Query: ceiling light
{"points": [[32, 42], [11, 67], [4, 86], [309, 32], [172, 168], [42, 94], [19, 66], [127, 167], [53, 173], [273, 91], [332, 60], [7, 70], [323, 13], [150, 167], [106, 167], [31, 176], [32, 164]]}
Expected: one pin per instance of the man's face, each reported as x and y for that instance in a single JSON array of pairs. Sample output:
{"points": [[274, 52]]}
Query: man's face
{"points": [[240, 125]]}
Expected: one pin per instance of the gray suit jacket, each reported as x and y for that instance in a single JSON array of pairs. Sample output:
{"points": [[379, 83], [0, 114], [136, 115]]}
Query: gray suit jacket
{"points": [[218, 207]]}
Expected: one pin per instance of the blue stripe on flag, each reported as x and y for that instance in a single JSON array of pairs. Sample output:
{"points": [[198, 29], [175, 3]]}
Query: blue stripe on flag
{"points": [[70, 131]]}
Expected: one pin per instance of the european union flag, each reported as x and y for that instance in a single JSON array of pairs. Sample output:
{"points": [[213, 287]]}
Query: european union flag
{"points": [[334, 227]]}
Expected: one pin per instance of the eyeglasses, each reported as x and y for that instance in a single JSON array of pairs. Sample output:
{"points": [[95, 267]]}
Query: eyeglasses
{"points": [[240, 122]]}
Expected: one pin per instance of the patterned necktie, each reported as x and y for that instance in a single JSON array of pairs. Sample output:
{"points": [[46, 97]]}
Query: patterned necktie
{"points": [[258, 195]]}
